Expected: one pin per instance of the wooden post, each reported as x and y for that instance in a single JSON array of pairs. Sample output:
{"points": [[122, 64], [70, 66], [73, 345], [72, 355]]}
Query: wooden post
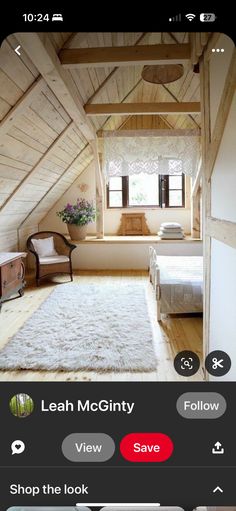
{"points": [[206, 186], [195, 215], [99, 192]]}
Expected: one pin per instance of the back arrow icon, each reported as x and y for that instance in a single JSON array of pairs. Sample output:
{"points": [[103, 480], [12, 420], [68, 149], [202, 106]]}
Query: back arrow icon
{"points": [[17, 50], [218, 488]]}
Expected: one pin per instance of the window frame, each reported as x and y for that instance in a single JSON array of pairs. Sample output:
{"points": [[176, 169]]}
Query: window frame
{"points": [[163, 194]]}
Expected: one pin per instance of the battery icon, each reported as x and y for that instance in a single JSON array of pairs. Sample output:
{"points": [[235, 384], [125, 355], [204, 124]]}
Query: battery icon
{"points": [[207, 16]]}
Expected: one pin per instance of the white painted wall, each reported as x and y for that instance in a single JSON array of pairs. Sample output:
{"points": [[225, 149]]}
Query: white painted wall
{"points": [[219, 65], [126, 256], [52, 221], [154, 218], [223, 206], [223, 181], [223, 302], [112, 216]]}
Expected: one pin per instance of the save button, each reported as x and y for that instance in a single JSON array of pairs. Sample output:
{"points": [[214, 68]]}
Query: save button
{"points": [[146, 447]]}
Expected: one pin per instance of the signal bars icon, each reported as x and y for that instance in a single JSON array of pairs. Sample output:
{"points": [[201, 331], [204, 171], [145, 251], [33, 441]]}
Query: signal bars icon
{"points": [[176, 18]]}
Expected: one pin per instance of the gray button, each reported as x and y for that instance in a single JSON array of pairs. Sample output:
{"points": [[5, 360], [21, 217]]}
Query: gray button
{"points": [[91, 447], [201, 405]]}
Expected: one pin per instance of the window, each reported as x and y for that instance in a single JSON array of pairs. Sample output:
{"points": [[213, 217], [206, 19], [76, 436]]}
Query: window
{"points": [[146, 190]]}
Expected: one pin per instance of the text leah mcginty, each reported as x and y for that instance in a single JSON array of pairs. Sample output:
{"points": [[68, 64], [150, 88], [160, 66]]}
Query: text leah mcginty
{"points": [[103, 405]]}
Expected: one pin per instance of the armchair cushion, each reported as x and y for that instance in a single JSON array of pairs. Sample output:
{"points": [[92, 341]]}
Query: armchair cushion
{"points": [[44, 247], [53, 259]]}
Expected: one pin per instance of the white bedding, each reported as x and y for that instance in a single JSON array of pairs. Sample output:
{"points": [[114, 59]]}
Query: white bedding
{"points": [[181, 283]]}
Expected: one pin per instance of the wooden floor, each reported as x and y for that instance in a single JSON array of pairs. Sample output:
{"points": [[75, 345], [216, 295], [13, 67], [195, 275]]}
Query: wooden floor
{"points": [[170, 337]]}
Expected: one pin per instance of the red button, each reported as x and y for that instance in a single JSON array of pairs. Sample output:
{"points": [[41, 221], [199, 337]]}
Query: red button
{"points": [[146, 447]]}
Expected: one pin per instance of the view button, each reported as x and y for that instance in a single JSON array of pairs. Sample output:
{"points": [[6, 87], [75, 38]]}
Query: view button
{"points": [[88, 447]]}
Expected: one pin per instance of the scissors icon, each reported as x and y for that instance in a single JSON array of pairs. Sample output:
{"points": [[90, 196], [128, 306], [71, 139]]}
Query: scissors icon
{"points": [[217, 363]]}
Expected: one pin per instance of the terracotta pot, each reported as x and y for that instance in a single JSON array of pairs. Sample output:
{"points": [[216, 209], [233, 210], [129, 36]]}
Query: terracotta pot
{"points": [[77, 232]]}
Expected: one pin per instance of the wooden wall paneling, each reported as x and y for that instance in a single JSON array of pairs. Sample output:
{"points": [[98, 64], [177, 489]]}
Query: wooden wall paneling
{"points": [[8, 240], [112, 74], [84, 77], [12, 169], [76, 40], [41, 51], [13, 42], [3, 197], [10, 221], [20, 206], [58, 106], [7, 185], [21, 105], [18, 191], [77, 137], [53, 185], [27, 139], [9, 91], [43, 107], [58, 39], [186, 83], [35, 119], [75, 76], [19, 151], [58, 189], [15, 68], [4, 108]]}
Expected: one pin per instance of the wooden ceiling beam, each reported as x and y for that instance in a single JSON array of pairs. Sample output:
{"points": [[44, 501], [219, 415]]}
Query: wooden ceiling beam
{"points": [[142, 108], [42, 53], [125, 55], [221, 230], [113, 73]]}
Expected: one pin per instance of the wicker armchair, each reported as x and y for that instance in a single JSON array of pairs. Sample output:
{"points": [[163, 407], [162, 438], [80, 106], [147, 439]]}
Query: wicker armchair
{"points": [[53, 265]]}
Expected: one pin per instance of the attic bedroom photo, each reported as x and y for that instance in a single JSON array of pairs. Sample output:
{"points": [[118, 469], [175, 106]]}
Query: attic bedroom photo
{"points": [[117, 205]]}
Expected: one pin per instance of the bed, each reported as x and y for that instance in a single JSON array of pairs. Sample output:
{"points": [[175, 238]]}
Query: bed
{"points": [[178, 283]]}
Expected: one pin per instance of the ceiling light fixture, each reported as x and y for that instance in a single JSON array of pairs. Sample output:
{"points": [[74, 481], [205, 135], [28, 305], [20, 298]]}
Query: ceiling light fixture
{"points": [[161, 74]]}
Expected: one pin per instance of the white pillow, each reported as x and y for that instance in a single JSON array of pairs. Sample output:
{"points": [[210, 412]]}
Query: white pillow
{"points": [[44, 247], [170, 225]]}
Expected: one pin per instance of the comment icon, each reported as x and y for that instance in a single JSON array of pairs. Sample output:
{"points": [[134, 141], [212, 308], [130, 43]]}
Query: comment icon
{"points": [[17, 447]]}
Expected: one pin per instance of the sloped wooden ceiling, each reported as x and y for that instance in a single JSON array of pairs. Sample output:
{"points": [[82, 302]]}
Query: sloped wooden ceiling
{"points": [[42, 148]]}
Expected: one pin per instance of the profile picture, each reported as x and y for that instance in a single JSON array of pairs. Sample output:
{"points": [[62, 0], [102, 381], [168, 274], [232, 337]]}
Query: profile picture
{"points": [[21, 405]]}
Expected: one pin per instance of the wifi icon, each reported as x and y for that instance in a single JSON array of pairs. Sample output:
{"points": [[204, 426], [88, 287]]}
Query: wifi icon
{"points": [[190, 17]]}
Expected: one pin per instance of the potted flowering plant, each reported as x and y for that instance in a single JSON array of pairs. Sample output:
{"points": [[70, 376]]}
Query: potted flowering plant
{"points": [[77, 217]]}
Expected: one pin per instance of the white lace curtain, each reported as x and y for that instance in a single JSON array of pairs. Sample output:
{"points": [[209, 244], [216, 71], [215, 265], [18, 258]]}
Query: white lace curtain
{"points": [[170, 152]]}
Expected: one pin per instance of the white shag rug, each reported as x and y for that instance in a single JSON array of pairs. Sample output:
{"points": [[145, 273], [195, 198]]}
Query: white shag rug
{"points": [[85, 327]]}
